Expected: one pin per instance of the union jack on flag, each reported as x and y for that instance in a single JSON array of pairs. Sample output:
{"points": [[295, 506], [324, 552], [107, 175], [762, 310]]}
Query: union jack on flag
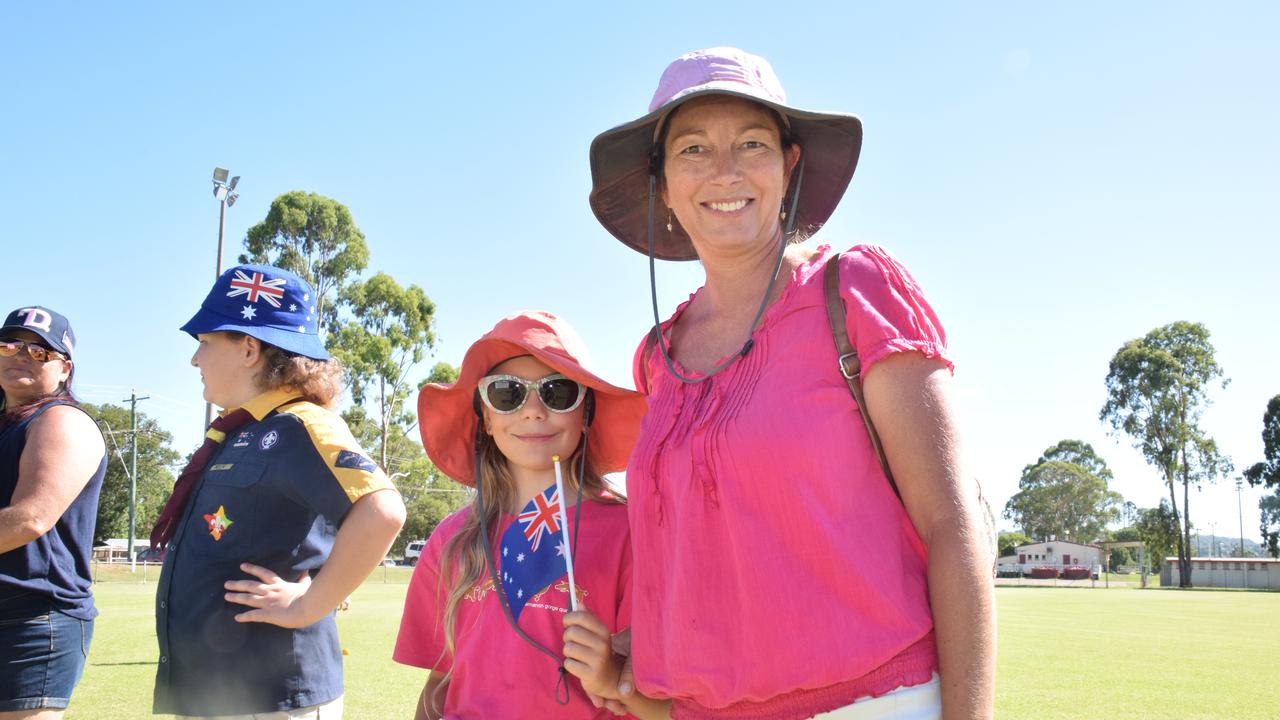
{"points": [[256, 286], [541, 517]]}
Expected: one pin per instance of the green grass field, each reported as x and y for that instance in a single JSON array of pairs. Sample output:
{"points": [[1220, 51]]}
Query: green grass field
{"points": [[1063, 653]]}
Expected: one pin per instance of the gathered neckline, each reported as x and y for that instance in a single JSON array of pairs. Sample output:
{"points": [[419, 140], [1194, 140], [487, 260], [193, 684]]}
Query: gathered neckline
{"points": [[799, 275]]}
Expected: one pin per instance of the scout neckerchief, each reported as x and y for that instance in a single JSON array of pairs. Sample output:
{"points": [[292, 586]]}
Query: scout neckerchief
{"points": [[171, 515]]}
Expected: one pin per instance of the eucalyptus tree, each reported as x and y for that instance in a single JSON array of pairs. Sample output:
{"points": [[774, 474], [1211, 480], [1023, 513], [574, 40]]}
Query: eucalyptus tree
{"points": [[1063, 500], [390, 331], [1266, 474], [1157, 389], [315, 237]]}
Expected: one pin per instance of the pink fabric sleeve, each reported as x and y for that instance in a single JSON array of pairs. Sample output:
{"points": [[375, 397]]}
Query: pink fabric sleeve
{"points": [[420, 642], [886, 311]]}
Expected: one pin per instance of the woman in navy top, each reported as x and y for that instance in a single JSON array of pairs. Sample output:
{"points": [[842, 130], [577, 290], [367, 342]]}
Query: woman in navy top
{"points": [[52, 459]]}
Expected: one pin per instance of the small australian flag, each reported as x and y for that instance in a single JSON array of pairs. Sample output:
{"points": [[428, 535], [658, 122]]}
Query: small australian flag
{"points": [[532, 550]]}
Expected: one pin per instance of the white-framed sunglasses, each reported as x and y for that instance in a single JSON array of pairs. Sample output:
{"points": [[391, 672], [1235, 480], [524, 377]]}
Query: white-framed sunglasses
{"points": [[505, 394]]}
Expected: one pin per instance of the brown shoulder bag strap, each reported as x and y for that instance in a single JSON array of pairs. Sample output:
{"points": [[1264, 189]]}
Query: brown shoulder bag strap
{"points": [[850, 365]]}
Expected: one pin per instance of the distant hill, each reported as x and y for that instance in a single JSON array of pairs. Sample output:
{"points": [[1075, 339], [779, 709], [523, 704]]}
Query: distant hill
{"points": [[1223, 546]]}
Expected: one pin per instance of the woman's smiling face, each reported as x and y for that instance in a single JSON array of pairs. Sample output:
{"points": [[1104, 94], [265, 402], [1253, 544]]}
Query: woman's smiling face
{"points": [[725, 171]]}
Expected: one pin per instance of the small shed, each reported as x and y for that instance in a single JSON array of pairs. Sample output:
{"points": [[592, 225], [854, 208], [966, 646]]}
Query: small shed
{"points": [[1255, 573]]}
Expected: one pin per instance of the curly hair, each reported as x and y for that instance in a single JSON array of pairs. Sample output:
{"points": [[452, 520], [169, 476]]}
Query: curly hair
{"points": [[319, 381]]}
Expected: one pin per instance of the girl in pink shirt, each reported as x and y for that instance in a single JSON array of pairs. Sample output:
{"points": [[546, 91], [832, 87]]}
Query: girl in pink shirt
{"points": [[489, 609]]}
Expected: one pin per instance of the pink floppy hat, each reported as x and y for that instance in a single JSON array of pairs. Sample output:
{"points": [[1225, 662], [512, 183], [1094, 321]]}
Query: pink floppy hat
{"points": [[448, 417], [623, 159]]}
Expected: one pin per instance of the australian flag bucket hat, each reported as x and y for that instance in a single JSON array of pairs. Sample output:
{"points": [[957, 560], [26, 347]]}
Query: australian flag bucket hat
{"points": [[265, 302]]}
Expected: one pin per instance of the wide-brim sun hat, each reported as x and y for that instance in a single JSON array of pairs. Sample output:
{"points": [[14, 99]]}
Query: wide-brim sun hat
{"points": [[621, 158], [265, 302], [447, 418]]}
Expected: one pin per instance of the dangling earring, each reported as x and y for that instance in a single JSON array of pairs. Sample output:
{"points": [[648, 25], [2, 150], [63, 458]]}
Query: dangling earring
{"points": [[668, 219], [782, 212]]}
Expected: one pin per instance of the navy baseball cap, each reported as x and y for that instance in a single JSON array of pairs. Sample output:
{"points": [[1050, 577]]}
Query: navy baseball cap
{"points": [[52, 327], [265, 302]]}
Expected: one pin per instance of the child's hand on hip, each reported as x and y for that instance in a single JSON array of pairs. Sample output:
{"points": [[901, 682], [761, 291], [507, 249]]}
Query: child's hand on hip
{"points": [[274, 599]]}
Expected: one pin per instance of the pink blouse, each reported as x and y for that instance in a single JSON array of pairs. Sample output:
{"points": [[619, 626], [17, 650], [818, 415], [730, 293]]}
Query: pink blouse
{"points": [[775, 573]]}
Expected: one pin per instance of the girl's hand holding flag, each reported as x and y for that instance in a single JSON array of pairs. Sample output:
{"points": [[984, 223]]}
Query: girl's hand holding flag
{"points": [[588, 654]]}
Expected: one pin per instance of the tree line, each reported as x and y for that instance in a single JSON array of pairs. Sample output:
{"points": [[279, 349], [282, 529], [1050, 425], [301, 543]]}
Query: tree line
{"points": [[1157, 390]]}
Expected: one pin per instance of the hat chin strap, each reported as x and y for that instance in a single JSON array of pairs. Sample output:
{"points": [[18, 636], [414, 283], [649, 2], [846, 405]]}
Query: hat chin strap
{"points": [[784, 240], [562, 684]]}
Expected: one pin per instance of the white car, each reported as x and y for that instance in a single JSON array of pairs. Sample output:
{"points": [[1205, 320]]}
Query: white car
{"points": [[413, 551]]}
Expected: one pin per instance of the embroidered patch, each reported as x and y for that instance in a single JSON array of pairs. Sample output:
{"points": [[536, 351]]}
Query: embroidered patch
{"points": [[479, 590], [218, 523], [222, 466], [355, 461], [269, 440], [243, 439]]}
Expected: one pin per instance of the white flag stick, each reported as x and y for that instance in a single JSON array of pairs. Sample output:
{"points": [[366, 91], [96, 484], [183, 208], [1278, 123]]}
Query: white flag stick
{"points": [[564, 534]]}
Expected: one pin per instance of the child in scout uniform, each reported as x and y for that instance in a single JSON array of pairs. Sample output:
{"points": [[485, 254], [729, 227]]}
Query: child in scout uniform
{"points": [[277, 518], [489, 611]]}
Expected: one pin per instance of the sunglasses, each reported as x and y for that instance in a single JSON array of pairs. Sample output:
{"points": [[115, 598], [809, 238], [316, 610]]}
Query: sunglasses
{"points": [[41, 354], [505, 394]]}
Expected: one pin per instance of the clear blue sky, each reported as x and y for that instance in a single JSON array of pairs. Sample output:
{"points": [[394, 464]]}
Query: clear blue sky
{"points": [[1061, 179]]}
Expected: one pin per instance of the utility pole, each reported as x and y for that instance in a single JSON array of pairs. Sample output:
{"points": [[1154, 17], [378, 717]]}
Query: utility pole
{"points": [[133, 469], [1240, 509]]}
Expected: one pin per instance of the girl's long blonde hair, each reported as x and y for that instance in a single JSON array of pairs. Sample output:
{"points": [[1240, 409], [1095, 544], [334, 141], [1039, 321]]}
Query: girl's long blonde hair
{"points": [[463, 561]]}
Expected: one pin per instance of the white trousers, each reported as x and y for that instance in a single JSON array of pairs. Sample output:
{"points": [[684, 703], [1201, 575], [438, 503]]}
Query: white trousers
{"points": [[918, 702]]}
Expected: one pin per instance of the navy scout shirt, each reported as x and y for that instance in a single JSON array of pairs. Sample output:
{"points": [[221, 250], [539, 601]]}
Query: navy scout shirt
{"points": [[273, 495]]}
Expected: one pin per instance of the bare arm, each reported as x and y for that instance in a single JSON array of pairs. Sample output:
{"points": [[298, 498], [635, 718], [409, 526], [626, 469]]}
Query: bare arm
{"points": [[63, 451], [428, 708], [363, 540], [908, 397]]}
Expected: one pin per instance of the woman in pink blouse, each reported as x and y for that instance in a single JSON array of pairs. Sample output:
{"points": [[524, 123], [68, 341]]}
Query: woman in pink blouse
{"points": [[777, 571]]}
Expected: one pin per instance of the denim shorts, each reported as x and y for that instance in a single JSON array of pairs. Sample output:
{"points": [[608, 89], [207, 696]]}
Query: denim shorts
{"points": [[42, 655]]}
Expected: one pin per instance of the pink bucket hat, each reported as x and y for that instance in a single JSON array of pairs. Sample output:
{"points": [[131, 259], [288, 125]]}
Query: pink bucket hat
{"points": [[447, 416], [622, 159]]}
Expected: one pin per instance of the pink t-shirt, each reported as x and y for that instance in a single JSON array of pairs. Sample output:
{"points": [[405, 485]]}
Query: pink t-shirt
{"points": [[496, 674], [776, 574]]}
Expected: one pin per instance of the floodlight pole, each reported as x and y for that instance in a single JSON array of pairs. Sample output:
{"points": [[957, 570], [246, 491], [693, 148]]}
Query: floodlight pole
{"points": [[226, 195]]}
